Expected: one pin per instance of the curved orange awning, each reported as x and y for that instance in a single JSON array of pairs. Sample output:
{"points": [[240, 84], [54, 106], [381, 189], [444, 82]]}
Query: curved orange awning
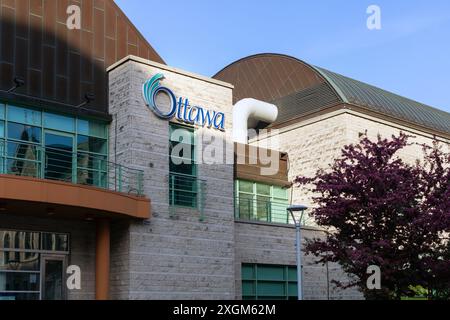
{"points": [[67, 200]]}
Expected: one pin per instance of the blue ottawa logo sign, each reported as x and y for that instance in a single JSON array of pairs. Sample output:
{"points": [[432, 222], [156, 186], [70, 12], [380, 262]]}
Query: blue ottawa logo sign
{"points": [[180, 108]]}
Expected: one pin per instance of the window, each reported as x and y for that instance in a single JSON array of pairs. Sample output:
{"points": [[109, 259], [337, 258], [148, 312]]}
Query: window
{"points": [[23, 132], [261, 202], [183, 184], [269, 282], [20, 261], [58, 122], [25, 116], [53, 146]]}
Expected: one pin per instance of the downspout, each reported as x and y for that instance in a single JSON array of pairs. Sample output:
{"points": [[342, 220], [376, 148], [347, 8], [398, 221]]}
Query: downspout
{"points": [[251, 110]]}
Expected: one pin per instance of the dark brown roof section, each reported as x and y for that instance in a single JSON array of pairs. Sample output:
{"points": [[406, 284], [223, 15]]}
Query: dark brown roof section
{"points": [[269, 77], [60, 65], [301, 90]]}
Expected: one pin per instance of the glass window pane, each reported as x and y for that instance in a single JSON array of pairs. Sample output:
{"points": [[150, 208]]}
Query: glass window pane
{"points": [[279, 213], [19, 240], [248, 272], [272, 289], [271, 273], [23, 168], [292, 274], [279, 192], [2, 129], [245, 206], [93, 162], [292, 289], [245, 186], [91, 128], [55, 242], [2, 111], [248, 288], [263, 189], [58, 122], [263, 207], [12, 281], [22, 132], [90, 144], [9, 296], [182, 134], [19, 261], [92, 178], [23, 115]]}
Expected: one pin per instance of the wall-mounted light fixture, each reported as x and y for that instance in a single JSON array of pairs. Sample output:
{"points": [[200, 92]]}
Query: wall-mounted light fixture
{"points": [[18, 82], [89, 97]]}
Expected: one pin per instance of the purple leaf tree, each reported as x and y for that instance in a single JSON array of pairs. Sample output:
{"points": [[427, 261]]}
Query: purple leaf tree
{"points": [[382, 211]]}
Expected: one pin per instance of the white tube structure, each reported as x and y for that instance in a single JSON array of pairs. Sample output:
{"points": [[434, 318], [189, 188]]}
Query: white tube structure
{"points": [[253, 110]]}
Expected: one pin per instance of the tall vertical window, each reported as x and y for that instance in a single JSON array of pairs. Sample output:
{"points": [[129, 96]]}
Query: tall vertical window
{"points": [[183, 184], [269, 282], [261, 202]]}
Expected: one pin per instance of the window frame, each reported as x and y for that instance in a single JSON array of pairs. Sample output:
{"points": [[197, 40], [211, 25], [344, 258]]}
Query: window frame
{"points": [[256, 280], [99, 171], [196, 188], [254, 198]]}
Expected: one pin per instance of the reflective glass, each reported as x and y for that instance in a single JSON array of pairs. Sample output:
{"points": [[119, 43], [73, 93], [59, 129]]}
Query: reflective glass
{"points": [[245, 186], [14, 281], [58, 122], [22, 261], [91, 128], [2, 129], [91, 144], [23, 115], [24, 132], [55, 242], [10, 296], [19, 240], [263, 189]]}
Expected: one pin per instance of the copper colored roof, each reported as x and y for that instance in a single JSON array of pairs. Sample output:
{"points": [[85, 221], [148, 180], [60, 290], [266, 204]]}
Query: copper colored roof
{"points": [[299, 88]]}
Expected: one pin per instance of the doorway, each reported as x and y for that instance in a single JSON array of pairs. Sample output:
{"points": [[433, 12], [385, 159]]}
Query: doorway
{"points": [[53, 277]]}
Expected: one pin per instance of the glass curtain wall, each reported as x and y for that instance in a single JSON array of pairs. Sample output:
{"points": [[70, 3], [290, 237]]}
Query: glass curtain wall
{"points": [[35, 143]]}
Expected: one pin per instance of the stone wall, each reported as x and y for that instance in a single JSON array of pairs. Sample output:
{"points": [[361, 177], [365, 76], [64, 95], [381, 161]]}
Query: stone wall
{"points": [[174, 255], [312, 145]]}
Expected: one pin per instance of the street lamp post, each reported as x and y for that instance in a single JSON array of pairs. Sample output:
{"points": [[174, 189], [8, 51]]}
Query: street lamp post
{"points": [[298, 244]]}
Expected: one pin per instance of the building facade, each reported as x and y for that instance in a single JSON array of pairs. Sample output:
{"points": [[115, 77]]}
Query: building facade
{"points": [[90, 121]]}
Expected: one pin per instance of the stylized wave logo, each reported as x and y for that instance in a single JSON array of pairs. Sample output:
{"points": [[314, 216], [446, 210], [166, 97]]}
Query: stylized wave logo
{"points": [[150, 90]]}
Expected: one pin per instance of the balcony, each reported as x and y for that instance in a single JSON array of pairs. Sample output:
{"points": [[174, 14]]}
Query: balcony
{"points": [[57, 164], [42, 181], [186, 191], [253, 209]]}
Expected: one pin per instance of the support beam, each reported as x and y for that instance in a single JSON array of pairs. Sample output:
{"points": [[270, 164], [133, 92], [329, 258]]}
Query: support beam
{"points": [[102, 259]]}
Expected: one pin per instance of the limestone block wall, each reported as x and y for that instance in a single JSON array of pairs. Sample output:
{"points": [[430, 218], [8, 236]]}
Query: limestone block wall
{"points": [[311, 145], [258, 243], [174, 255]]}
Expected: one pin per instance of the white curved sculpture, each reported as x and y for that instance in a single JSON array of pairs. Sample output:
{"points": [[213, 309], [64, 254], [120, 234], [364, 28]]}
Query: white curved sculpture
{"points": [[248, 112]]}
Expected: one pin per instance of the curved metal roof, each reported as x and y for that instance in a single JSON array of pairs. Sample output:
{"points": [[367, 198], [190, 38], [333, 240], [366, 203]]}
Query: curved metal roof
{"points": [[299, 88], [360, 93]]}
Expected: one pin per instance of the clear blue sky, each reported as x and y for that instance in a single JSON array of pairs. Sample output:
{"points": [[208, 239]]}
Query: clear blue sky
{"points": [[409, 56]]}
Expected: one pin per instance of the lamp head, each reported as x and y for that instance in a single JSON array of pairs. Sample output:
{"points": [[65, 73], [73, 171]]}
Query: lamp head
{"points": [[297, 208], [89, 97], [19, 82]]}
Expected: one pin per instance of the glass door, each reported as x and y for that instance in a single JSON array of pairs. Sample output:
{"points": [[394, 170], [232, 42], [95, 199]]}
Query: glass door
{"points": [[59, 156], [53, 277]]}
